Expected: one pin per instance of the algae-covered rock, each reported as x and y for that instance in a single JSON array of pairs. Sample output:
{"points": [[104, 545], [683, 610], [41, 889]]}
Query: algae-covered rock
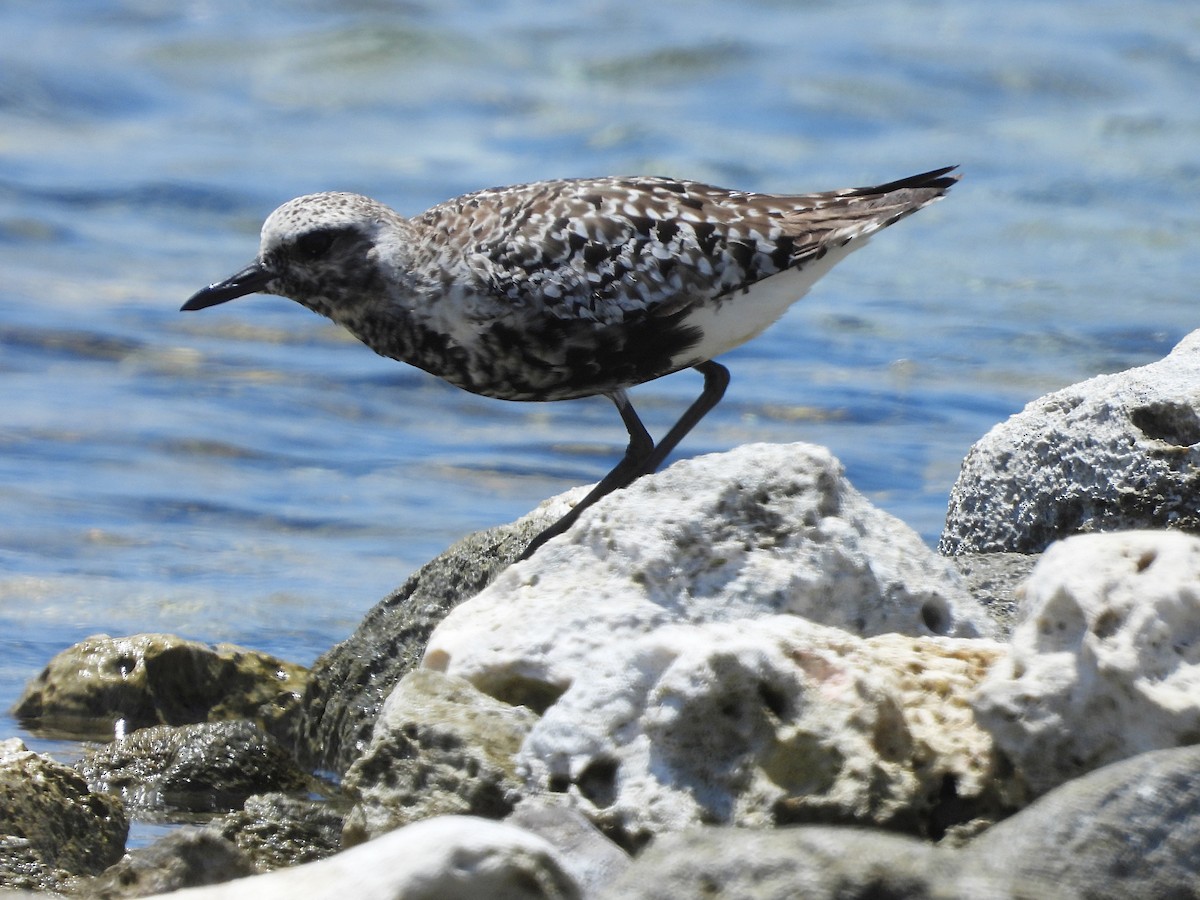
{"points": [[49, 805], [103, 686]]}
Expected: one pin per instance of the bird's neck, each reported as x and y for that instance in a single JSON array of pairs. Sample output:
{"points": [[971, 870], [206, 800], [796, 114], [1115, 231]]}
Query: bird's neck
{"points": [[397, 326]]}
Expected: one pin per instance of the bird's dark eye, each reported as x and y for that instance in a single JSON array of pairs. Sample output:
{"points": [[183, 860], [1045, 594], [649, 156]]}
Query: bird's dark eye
{"points": [[315, 244]]}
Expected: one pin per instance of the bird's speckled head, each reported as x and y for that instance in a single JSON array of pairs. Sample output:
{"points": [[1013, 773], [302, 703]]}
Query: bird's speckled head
{"points": [[331, 252], [328, 251]]}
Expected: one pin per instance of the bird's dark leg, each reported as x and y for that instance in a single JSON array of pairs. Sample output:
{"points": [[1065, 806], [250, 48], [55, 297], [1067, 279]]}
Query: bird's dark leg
{"points": [[641, 446], [716, 379], [641, 456]]}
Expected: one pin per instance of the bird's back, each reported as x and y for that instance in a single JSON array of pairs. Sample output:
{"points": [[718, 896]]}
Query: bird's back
{"points": [[607, 247], [576, 287]]}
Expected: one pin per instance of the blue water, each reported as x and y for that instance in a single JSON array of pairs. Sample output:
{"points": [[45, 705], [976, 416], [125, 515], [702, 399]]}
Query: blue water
{"points": [[251, 474]]}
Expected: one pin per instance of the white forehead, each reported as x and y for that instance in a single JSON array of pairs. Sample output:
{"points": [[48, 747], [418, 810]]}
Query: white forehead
{"points": [[328, 210]]}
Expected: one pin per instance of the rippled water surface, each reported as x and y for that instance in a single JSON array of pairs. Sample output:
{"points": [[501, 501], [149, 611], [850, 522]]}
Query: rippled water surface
{"points": [[251, 474]]}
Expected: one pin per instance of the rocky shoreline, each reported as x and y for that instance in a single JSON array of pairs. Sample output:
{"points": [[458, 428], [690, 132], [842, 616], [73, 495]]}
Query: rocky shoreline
{"points": [[736, 678]]}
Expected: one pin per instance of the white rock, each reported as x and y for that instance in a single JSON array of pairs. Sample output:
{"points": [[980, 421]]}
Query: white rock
{"points": [[1105, 661], [451, 856], [1113, 453], [761, 722], [764, 529]]}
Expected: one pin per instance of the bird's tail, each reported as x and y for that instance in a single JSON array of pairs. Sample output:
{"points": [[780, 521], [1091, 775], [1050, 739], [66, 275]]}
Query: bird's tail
{"points": [[854, 213], [939, 181]]}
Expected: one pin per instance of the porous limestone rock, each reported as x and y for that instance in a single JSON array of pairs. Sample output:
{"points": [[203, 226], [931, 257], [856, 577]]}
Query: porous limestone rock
{"points": [[1113, 453], [445, 857], [1105, 662], [771, 721], [65, 824], [105, 686], [761, 530], [1128, 830], [440, 747]]}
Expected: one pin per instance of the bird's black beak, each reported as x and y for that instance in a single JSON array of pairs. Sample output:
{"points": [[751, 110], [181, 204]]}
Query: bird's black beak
{"points": [[252, 278]]}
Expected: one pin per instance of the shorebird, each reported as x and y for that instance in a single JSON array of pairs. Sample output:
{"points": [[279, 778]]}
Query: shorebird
{"points": [[572, 288]]}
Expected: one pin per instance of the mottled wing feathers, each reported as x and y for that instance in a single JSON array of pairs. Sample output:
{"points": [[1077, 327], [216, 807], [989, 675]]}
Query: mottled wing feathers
{"points": [[606, 250]]}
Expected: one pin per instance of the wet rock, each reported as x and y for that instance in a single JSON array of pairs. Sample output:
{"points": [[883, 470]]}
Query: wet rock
{"points": [[189, 857], [1127, 830], [104, 686], [271, 832], [277, 830], [440, 858], [1114, 453], [198, 768], [23, 868], [62, 822], [761, 530], [772, 721], [439, 747], [1106, 661], [350, 683]]}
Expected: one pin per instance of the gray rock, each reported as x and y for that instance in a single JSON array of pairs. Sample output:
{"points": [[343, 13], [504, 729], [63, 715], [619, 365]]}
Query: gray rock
{"points": [[1106, 660], [66, 825], [761, 530], [199, 768], [1124, 832], [350, 683], [440, 747], [1116, 452], [995, 580], [104, 686], [591, 858], [189, 857], [437, 859], [809, 862]]}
